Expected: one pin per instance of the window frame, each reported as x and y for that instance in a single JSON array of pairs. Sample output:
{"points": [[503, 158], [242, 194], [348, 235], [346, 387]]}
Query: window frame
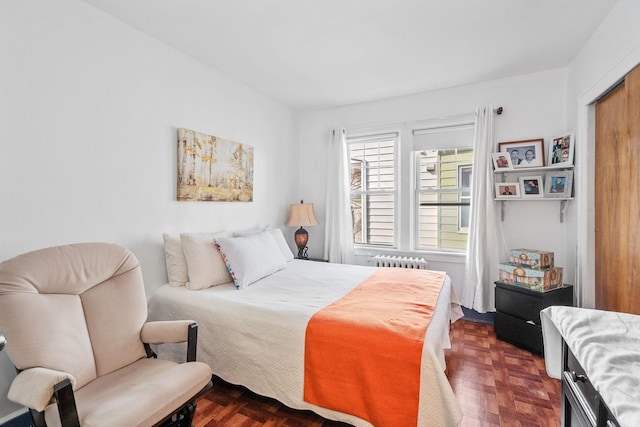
{"points": [[461, 229], [363, 179], [436, 126], [406, 225]]}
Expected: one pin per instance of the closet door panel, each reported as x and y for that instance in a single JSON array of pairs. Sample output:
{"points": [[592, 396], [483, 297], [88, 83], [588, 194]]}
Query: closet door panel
{"points": [[617, 198]]}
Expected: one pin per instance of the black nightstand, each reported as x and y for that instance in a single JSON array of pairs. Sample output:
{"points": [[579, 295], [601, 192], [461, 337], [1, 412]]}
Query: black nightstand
{"points": [[313, 259], [517, 317]]}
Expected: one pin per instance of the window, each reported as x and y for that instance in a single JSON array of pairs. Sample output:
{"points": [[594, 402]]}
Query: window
{"points": [[410, 186], [373, 188], [443, 197]]}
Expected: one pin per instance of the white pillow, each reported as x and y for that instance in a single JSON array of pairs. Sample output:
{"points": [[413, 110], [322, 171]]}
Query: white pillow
{"points": [[277, 235], [251, 231], [205, 265], [250, 258], [282, 244], [176, 264]]}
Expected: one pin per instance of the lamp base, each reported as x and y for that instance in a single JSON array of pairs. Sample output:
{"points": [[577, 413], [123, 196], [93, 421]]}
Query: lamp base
{"points": [[302, 237], [302, 253]]}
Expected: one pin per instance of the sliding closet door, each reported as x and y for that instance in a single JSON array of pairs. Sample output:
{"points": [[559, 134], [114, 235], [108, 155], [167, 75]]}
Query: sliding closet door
{"points": [[617, 198]]}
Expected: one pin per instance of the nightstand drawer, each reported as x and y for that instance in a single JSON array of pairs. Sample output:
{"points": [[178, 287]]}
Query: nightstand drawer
{"points": [[527, 304], [514, 303], [518, 332]]}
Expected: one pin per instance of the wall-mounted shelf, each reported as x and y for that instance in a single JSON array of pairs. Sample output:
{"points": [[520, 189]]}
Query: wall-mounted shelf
{"points": [[563, 205], [501, 176], [551, 168]]}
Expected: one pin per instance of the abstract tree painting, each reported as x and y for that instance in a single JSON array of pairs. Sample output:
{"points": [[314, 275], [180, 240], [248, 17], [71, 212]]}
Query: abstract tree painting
{"points": [[213, 169]]}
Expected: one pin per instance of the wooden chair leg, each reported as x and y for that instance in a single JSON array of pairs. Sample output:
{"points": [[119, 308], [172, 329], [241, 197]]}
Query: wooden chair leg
{"points": [[192, 342], [63, 392], [38, 418]]}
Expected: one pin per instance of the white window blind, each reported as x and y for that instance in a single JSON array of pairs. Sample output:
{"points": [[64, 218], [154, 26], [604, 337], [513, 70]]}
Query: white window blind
{"points": [[453, 136]]}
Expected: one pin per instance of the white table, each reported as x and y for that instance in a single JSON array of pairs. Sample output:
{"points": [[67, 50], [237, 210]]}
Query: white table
{"points": [[606, 345]]}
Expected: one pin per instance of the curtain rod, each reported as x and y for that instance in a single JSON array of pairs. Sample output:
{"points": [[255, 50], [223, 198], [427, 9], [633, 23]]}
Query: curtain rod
{"points": [[498, 111]]}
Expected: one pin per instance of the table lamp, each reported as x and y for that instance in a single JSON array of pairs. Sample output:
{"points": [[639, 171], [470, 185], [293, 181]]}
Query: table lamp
{"points": [[302, 215]]}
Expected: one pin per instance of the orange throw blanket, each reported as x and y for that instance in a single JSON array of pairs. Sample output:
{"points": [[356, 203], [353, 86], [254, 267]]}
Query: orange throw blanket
{"points": [[363, 352]]}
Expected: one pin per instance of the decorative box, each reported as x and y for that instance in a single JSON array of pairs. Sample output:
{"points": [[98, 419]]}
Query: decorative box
{"points": [[536, 280], [537, 260]]}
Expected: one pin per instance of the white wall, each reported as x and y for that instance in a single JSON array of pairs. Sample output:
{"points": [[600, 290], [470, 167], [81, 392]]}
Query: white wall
{"points": [[611, 52], [534, 107], [89, 109]]}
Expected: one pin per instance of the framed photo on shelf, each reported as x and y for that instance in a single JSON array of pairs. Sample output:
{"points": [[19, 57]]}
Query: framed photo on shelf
{"points": [[501, 161], [507, 190], [558, 184], [528, 153], [531, 186], [561, 150]]}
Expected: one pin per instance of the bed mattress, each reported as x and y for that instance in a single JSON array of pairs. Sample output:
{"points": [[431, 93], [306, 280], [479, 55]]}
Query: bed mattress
{"points": [[255, 337]]}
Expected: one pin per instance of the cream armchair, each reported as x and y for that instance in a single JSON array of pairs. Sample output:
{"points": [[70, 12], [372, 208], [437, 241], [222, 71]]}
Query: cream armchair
{"points": [[75, 321]]}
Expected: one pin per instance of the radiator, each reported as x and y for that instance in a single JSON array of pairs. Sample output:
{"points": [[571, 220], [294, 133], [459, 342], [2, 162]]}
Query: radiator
{"points": [[396, 261]]}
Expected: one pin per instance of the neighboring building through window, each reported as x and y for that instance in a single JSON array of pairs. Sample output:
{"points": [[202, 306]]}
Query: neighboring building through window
{"points": [[443, 198], [373, 188]]}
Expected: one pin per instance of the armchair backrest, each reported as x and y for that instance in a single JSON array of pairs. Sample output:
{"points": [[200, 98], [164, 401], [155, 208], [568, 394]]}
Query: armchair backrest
{"points": [[76, 308]]}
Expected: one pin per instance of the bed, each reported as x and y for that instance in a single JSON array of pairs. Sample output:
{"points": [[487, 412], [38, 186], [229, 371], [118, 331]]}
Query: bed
{"points": [[255, 336]]}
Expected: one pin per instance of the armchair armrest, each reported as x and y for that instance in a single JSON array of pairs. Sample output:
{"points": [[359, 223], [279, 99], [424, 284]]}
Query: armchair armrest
{"points": [[162, 332], [171, 331], [35, 388]]}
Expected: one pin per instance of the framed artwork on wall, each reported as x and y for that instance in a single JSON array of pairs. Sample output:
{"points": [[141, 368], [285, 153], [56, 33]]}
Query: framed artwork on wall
{"points": [[507, 190], [531, 186], [213, 169], [558, 184], [501, 161], [528, 153], [561, 150]]}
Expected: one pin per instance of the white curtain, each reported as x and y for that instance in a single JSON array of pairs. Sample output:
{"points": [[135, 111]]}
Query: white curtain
{"points": [[486, 245], [338, 236]]}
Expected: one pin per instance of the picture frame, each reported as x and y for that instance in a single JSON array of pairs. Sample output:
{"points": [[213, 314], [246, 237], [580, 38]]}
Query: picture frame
{"points": [[501, 161], [531, 187], [559, 184], [528, 153], [504, 188], [213, 169], [561, 150]]}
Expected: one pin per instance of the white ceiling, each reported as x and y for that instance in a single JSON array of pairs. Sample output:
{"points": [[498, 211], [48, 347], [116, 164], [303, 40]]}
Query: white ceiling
{"points": [[312, 54]]}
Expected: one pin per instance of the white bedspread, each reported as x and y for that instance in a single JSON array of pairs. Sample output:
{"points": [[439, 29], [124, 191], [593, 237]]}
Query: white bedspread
{"points": [[607, 346], [255, 336]]}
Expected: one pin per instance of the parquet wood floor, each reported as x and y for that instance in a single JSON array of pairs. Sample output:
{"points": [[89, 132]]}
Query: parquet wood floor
{"points": [[496, 384]]}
